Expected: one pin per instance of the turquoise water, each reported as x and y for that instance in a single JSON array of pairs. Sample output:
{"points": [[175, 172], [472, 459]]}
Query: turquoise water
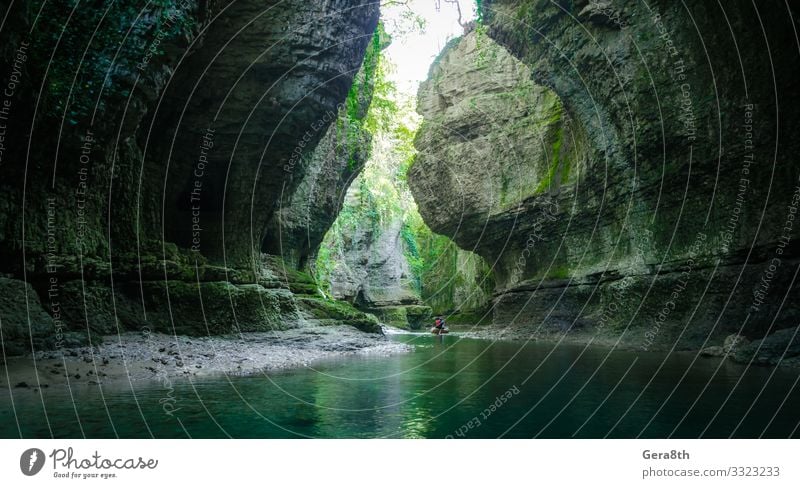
{"points": [[448, 386]]}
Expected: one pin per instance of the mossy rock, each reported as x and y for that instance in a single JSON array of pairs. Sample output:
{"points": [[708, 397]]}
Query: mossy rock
{"points": [[394, 316], [23, 319], [417, 316], [298, 282], [339, 311], [403, 316], [217, 307], [94, 307]]}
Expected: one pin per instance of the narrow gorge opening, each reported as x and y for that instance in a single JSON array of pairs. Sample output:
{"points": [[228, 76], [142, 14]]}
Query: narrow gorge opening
{"points": [[379, 255], [474, 113]]}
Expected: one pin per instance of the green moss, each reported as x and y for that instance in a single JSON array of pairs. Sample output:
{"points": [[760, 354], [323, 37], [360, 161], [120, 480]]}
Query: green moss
{"points": [[360, 95], [555, 160], [411, 317], [215, 307], [394, 316], [417, 316], [443, 277], [558, 272], [479, 12], [297, 281], [412, 255], [504, 191], [470, 318], [338, 312], [90, 58]]}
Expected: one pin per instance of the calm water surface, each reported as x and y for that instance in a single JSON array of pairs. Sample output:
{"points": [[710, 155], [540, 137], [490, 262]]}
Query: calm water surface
{"points": [[448, 386]]}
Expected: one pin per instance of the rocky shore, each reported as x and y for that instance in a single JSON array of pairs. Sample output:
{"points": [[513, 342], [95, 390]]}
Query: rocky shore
{"points": [[781, 348], [142, 356]]}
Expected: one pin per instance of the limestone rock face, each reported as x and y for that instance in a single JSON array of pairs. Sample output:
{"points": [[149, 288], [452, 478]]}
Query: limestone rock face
{"points": [[298, 226], [372, 271], [679, 180], [490, 141], [141, 172], [302, 218], [455, 282], [368, 262], [268, 81]]}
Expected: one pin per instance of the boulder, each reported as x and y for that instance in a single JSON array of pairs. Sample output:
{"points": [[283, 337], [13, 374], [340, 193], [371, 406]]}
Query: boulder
{"points": [[24, 323]]}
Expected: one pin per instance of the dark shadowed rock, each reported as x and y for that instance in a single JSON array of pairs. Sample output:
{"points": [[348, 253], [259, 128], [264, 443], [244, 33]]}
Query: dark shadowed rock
{"points": [[302, 218], [268, 81], [23, 320], [152, 208]]}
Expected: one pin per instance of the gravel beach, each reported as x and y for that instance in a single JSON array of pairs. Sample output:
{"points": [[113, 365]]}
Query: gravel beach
{"points": [[142, 356]]}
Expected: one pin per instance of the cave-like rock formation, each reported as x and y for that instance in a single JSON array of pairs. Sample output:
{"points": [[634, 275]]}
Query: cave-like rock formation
{"points": [[145, 153], [645, 190], [298, 226], [268, 81]]}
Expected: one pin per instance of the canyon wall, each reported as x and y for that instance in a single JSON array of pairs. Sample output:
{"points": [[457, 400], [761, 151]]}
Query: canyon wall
{"points": [[455, 283], [384, 260], [639, 186], [369, 260], [298, 226], [145, 153]]}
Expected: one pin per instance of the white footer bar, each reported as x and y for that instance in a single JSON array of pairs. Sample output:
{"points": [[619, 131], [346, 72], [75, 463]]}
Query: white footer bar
{"points": [[373, 463]]}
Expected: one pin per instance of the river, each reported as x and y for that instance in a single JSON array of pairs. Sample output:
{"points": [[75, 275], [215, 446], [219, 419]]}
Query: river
{"points": [[448, 387]]}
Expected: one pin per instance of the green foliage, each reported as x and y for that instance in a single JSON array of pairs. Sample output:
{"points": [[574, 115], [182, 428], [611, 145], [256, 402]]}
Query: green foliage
{"points": [[380, 195], [401, 17], [93, 53], [486, 49], [369, 79], [412, 254], [479, 12], [557, 161]]}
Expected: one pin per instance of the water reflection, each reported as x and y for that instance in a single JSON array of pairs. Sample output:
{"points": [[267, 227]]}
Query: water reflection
{"points": [[446, 384]]}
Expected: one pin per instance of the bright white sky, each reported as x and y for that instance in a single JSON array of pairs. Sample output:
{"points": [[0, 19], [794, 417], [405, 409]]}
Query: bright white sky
{"points": [[413, 53]]}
